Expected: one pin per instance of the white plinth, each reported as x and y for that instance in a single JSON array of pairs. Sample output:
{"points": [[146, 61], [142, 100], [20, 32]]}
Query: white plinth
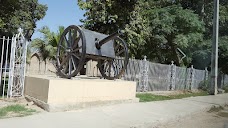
{"points": [[58, 94]]}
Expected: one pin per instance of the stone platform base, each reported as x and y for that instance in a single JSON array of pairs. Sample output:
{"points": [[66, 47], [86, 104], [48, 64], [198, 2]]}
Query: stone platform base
{"points": [[58, 94]]}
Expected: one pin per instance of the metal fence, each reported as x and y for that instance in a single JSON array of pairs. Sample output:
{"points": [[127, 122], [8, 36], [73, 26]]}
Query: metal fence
{"points": [[163, 77], [160, 77], [12, 65]]}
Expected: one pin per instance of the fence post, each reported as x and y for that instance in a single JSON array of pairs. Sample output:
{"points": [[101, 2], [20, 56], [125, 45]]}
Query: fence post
{"points": [[172, 75], [206, 73], [1, 64], [143, 76], [206, 77], [17, 65], [191, 78]]}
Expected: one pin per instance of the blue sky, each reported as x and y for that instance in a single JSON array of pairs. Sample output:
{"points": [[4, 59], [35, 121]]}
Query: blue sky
{"points": [[59, 13]]}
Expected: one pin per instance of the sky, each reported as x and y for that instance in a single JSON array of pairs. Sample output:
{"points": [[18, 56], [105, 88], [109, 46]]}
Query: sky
{"points": [[59, 13]]}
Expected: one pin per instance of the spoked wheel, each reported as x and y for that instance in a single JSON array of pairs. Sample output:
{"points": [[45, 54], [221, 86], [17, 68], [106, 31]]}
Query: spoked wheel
{"points": [[113, 68], [71, 52]]}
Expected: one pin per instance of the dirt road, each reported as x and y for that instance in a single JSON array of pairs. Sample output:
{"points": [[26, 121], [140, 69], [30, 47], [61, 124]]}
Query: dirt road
{"points": [[213, 119]]}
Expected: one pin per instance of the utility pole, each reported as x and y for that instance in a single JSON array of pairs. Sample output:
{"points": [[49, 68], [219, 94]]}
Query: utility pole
{"points": [[214, 56]]}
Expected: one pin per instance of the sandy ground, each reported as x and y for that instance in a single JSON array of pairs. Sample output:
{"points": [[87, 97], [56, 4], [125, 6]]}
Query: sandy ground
{"points": [[214, 119], [200, 120]]}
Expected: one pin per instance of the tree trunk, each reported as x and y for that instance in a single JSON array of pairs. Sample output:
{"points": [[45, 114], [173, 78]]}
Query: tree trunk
{"points": [[174, 49], [202, 12], [45, 69], [39, 67]]}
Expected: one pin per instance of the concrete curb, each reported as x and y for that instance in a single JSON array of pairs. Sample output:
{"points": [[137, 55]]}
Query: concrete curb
{"points": [[76, 106]]}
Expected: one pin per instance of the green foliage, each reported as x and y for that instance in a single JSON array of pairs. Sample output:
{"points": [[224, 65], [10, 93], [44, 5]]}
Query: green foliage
{"points": [[223, 54], [47, 46], [15, 110], [158, 28], [201, 55], [173, 27], [42, 48], [20, 13], [107, 16]]}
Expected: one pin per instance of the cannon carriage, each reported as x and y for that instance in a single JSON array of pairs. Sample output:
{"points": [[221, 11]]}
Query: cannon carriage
{"points": [[78, 45]]}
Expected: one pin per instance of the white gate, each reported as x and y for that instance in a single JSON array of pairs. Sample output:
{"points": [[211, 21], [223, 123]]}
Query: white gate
{"points": [[12, 65]]}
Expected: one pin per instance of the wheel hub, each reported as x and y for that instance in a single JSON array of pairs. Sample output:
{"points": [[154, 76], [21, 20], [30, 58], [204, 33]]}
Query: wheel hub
{"points": [[68, 50]]}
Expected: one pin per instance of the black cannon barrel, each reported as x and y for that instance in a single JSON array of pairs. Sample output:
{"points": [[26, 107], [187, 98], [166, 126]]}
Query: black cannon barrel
{"points": [[108, 38]]}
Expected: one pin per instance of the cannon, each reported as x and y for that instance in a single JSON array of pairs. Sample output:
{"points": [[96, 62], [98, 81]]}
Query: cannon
{"points": [[78, 45]]}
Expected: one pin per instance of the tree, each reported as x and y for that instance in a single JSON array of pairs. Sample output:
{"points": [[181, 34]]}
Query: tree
{"points": [[172, 27], [47, 46], [8, 7], [20, 13], [42, 48], [223, 54], [107, 16], [160, 28], [223, 30]]}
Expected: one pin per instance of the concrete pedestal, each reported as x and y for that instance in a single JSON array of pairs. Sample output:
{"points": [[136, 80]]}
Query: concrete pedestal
{"points": [[58, 94]]}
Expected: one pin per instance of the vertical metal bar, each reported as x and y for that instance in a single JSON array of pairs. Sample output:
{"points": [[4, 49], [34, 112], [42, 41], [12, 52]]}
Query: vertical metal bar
{"points": [[1, 64], [12, 64], [25, 56], [6, 63]]}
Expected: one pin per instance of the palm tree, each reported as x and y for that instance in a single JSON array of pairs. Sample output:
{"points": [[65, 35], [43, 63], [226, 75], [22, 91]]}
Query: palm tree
{"points": [[41, 46], [47, 46], [53, 42]]}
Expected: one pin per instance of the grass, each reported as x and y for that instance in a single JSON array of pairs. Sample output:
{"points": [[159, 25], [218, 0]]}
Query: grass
{"points": [[147, 97], [15, 111]]}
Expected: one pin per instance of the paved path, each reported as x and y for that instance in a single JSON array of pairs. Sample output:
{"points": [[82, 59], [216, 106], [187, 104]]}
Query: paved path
{"points": [[131, 115]]}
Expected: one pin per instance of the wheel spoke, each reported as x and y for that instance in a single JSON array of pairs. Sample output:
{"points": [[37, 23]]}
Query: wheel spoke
{"points": [[70, 38], [75, 50], [76, 42], [75, 55], [105, 66], [72, 59], [67, 66], [62, 47], [109, 69], [70, 65], [68, 44], [74, 35], [64, 61], [115, 70]]}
